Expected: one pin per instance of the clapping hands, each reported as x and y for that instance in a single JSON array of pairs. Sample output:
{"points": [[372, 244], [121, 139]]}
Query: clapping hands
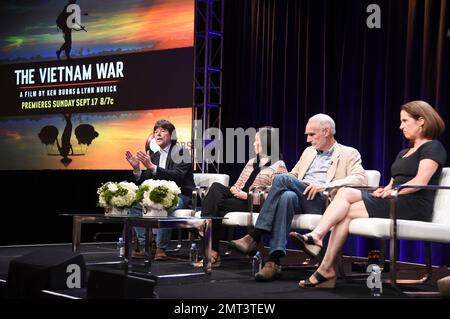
{"points": [[133, 160], [145, 160], [140, 157]]}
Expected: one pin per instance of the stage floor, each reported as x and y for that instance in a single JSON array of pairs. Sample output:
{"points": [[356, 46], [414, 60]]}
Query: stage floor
{"points": [[232, 280]]}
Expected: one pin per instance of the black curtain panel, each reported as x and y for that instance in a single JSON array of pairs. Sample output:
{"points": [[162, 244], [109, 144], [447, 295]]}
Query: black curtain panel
{"points": [[286, 60]]}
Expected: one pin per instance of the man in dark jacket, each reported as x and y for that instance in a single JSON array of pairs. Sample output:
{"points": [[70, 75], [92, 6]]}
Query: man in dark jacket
{"points": [[172, 163]]}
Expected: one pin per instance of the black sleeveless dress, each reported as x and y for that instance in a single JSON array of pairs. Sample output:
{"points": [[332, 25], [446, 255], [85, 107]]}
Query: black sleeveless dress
{"points": [[417, 205]]}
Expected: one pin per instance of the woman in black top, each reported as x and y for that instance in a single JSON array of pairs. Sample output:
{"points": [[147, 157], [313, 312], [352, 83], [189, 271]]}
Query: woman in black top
{"points": [[417, 205], [420, 164], [259, 172]]}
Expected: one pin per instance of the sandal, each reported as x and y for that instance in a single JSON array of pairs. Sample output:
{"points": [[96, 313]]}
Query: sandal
{"points": [[215, 261], [322, 282], [307, 245]]}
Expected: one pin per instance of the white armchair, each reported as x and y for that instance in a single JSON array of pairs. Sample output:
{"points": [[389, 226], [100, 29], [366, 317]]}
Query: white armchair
{"points": [[302, 221], [393, 229], [310, 221], [202, 181]]}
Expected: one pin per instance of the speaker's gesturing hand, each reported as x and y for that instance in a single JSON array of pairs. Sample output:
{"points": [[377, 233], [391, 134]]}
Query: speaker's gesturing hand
{"points": [[133, 160], [145, 160]]}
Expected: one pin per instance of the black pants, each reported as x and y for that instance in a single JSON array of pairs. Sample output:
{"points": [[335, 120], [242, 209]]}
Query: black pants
{"points": [[217, 203]]}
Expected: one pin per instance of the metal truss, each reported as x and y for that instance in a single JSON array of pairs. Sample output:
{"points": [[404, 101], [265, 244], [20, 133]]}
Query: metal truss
{"points": [[208, 47]]}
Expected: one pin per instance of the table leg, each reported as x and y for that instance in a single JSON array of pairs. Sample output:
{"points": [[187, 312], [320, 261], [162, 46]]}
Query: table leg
{"points": [[148, 257], [76, 233], [207, 246], [128, 245]]}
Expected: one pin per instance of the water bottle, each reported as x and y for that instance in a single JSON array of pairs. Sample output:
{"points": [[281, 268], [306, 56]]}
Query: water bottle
{"points": [[374, 282], [193, 254], [256, 263], [121, 247]]}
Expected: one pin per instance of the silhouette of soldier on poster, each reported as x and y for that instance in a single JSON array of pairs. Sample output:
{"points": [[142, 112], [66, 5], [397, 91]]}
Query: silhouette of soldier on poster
{"points": [[85, 134], [63, 25]]}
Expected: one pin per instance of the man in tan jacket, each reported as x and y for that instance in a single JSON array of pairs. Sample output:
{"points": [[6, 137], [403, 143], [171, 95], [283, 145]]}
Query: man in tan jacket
{"points": [[325, 164]]}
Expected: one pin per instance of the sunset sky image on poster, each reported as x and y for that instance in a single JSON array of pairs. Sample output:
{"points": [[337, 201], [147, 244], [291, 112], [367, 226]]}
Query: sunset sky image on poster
{"points": [[25, 148], [112, 27]]}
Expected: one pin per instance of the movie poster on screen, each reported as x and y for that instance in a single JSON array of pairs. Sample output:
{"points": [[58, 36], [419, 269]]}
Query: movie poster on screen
{"points": [[91, 64]]}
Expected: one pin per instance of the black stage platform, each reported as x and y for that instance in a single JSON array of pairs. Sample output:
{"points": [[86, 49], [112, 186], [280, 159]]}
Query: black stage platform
{"points": [[232, 280]]}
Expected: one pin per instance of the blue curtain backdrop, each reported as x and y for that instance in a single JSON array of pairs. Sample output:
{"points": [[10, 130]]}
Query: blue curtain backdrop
{"points": [[286, 60]]}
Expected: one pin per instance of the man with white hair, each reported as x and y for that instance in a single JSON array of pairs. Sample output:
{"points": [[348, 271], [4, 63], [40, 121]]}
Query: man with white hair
{"points": [[324, 164]]}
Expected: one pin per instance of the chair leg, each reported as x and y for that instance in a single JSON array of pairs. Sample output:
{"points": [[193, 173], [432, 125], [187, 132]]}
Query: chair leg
{"points": [[179, 242], [310, 263], [262, 251], [393, 266], [428, 269], [359, 277], [429, 266], [383, 244], [395, 285], [423, 280], [230, 238], [340, 268]]}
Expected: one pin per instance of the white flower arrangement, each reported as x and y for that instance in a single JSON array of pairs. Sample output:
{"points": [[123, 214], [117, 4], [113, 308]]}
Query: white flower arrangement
{"points": [[121, 195], [159, 194]]}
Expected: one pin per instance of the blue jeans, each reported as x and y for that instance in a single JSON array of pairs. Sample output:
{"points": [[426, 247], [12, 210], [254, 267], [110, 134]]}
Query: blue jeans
{"points": [[285, 199], [163, 235]]}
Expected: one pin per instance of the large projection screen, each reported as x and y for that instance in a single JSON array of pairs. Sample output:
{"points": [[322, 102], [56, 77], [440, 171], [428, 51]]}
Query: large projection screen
{"points": [[77, 98]]}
